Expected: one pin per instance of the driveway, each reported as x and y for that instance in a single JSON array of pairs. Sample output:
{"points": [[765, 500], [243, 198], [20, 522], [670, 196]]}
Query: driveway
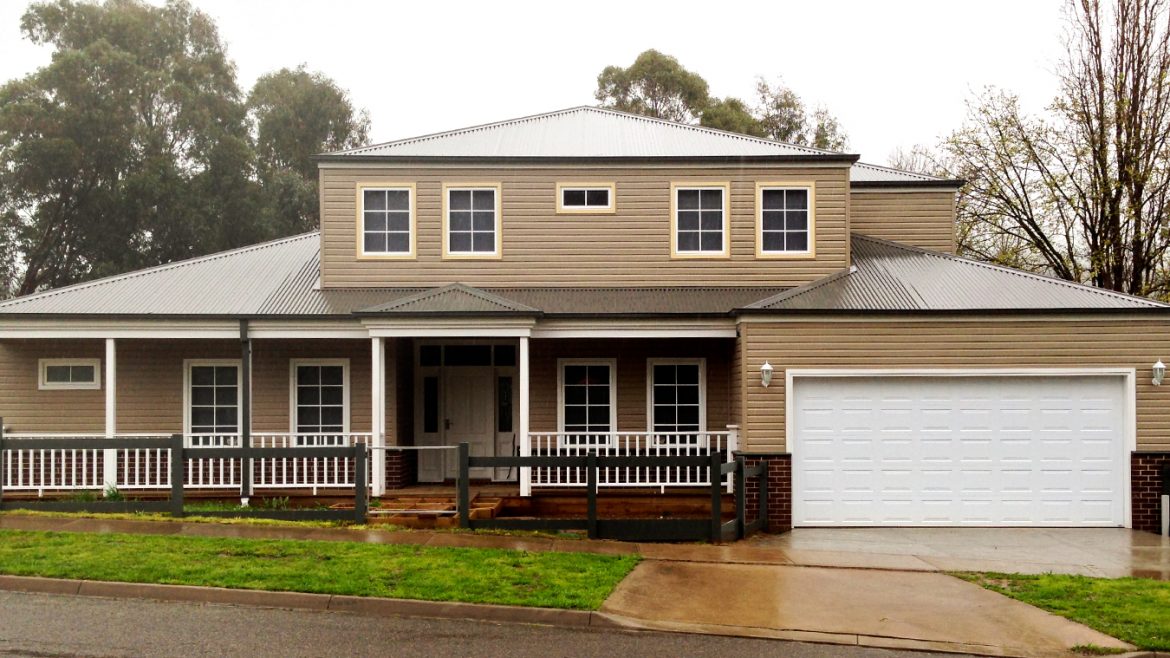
{"points": [[889, 609], [1103, 552]]}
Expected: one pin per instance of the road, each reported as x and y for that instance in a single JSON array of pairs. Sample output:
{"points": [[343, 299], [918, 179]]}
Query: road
{"points": [[50, 626]]}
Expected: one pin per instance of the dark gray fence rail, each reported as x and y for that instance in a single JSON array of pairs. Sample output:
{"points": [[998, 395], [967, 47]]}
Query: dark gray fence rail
{"points": [[178, 456], [712, 528]]}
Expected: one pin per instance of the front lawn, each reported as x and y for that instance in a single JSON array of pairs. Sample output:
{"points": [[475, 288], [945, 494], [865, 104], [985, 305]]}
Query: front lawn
{"points": [[555, 580], [1136, 610]]}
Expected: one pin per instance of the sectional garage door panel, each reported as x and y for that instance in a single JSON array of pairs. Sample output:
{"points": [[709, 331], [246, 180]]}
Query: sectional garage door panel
{"points": [[983, 450]]}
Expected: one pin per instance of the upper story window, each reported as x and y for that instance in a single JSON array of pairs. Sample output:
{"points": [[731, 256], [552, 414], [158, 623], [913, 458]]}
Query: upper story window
{"points": [[585, 198], [700, 219], [472, 222], [784, 225], [69, 374], [386, 221]]}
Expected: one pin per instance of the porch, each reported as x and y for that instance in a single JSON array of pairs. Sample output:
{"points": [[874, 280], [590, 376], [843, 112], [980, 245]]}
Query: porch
{"points": [[409, 399]]}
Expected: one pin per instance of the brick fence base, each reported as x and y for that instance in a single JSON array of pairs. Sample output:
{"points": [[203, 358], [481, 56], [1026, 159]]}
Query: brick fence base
{"points": [[779, 491], [400, 468], [1146, 485]]}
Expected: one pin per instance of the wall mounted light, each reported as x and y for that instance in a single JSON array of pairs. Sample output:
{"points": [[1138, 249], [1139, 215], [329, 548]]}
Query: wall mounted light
{"points": [[1159, 371], [766, 374]]}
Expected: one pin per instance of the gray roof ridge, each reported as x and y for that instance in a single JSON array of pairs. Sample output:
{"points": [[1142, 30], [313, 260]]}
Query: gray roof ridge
{"points": [[579, 108], [801, 290], [186, 262], [461, 287], [919, 175], [1010, 270], [636, 288]]}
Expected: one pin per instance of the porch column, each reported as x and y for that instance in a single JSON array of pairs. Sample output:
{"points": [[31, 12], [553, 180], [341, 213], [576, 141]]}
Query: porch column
{"points": [[378, 414], [246, 411], [110, 457], [525, 441]]}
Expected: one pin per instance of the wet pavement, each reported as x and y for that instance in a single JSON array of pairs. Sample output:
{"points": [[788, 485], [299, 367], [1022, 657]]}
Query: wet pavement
{"points": [[1101, 552]]}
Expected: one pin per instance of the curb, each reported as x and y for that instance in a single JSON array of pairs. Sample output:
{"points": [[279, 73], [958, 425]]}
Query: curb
{"points": [[359, 605]]}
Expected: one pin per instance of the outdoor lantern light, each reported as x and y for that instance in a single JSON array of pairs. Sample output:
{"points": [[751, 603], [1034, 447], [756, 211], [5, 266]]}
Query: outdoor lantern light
{"points": [[766, 374], [1159, 373]]}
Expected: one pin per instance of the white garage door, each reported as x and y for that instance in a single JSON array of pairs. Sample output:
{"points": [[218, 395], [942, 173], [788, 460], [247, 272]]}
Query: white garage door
{"points": [[982, 450]]}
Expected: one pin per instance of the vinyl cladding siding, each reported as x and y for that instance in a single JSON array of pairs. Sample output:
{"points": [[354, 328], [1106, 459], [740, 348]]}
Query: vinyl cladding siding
{"points": [[631, 356], [1128, 343], [24, 408], [150, 384], [628, 248], [924, 218]]}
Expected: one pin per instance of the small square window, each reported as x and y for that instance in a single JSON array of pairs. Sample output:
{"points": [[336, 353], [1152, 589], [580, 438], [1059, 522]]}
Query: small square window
{"points": [[784, 224], [585, 198], [387, 221], [472, 222], [700, 222], [69, 374]]}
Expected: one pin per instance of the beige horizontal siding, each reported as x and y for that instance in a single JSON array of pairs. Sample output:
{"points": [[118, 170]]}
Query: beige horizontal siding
{"points": [[630, 247], [952, 344], [631, 358], [24, 408], [150, 383], [922, 218]]}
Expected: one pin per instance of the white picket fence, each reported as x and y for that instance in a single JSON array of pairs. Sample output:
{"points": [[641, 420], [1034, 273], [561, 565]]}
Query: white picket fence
{"points": [[52, 470]]}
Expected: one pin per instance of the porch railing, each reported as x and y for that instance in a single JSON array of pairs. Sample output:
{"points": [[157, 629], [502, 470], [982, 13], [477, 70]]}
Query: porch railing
{"points": [[629, 444], [83, 466]]}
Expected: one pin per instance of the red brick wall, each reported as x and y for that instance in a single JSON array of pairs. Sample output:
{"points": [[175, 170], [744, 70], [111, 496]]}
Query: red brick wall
{"points": [[779, 476], [400, 468], [1146, 473]]}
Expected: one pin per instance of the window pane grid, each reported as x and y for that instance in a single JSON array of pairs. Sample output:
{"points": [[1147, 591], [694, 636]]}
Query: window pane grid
{"points": [[699, 221], [676, 398], [471, 221], [214, 400], [586, 401], [386, 221], [585, 197], [784, 225]]}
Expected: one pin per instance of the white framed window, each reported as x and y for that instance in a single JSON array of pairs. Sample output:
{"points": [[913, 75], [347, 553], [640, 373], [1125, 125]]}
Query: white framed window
{"points": [[471, 221], [211, 401], [586, 198], [586, 401], [66, 374], [386, 223], [699, 221], [785, 220], [676, 399], [319, 401]]}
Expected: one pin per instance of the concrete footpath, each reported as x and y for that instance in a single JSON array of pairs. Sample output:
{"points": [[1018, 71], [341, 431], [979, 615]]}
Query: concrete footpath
{"points": [[743, 589]]}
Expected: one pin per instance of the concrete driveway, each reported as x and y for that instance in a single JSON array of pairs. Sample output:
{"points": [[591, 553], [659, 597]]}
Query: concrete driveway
{"points": [[1102, 552], [891, 609]]}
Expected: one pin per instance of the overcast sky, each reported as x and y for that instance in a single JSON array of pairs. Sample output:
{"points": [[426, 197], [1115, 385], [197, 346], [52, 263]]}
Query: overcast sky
{"points": [[895, 73]]}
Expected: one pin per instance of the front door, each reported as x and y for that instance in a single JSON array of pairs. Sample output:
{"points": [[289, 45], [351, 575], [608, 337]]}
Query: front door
{"points": [[469, 409]]}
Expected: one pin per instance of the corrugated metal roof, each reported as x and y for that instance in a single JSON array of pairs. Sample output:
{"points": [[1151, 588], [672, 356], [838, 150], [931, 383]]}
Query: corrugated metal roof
{"points": [[582, 132], [637, 301], [454, 299], [863, 172], [887, 276]]}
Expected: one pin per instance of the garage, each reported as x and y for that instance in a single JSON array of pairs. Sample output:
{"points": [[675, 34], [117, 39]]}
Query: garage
{"points": [[949, 449]]}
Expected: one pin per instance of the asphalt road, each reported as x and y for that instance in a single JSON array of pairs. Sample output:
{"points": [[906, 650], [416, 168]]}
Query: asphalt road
{"points": [[50, 626]]}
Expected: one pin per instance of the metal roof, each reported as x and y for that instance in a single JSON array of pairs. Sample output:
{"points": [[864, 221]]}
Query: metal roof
{"points": [[453, 299], [864, 173], [887, 276], [582, 132]]}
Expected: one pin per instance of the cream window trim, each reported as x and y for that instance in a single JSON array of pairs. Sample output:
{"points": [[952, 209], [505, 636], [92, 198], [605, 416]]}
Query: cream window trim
{"points": [[702, 364], [609, 363], [499, 233], [360, 205], [610, 209], [675, 187], [808, 254], [44, 384], [293, 402], [231, 363]]}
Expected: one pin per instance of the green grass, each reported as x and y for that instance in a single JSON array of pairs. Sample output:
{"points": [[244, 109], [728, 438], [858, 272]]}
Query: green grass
{"points": [[554, 580], [1136, 610]]}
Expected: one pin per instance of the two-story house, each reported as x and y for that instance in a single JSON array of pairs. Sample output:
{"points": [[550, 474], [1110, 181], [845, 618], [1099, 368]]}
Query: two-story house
{"points": [[592, 280]]}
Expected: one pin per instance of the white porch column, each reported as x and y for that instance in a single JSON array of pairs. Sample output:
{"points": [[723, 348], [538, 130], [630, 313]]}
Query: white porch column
{"points": [[110, 457], [378, 415], [525, 440]]}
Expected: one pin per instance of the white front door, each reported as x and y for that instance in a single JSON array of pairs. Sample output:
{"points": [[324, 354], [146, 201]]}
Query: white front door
{"points": [[959, 450], [469, 408]]}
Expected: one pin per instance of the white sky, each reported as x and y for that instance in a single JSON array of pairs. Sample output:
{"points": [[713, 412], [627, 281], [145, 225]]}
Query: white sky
{"points": [[895, 73]]}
